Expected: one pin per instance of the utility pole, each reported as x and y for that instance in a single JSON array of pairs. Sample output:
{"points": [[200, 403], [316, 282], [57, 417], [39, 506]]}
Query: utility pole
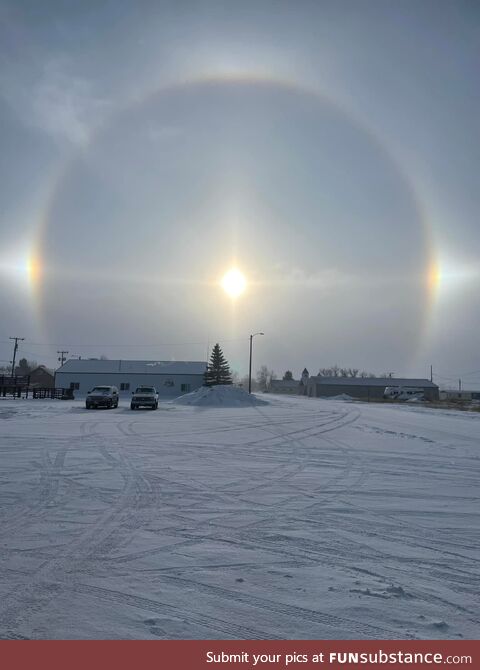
{"points": [[62, 357], [431, 373], [17, 339], [459, 384]]}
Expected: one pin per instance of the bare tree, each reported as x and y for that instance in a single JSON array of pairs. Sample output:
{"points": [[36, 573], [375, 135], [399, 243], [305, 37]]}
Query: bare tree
{"points": [[24, 366], [264, 377], [336, 371]]}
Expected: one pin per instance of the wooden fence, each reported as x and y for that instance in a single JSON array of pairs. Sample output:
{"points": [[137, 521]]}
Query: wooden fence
{"points": [[55, 393], [8, 387]]}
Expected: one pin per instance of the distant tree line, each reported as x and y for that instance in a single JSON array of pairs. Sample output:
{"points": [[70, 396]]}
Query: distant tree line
{"points": [[337, 371], [24, 368]]}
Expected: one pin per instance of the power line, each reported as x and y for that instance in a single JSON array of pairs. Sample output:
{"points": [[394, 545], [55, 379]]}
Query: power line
{"points": [[153, 345], [35, 353]]}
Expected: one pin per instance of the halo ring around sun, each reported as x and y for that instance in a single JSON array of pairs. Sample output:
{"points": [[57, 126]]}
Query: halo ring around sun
{"points": [[262, 82]]}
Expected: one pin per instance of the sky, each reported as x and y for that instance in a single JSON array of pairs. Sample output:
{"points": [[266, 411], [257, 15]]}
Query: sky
{"points": [[328, 150]]}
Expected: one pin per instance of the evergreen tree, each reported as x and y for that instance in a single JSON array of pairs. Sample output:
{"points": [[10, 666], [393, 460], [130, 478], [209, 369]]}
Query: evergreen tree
{"points": [[218, 370]]}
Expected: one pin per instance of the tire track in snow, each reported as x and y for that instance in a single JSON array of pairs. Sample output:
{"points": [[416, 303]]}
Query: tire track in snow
{"points": [[43, 496], [54, 573], [298, 455], [236, 631], [46, 490], [302, 613], [335, 556]]}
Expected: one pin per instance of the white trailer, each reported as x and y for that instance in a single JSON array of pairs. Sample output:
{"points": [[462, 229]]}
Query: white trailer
{"points": [[404, 393]]}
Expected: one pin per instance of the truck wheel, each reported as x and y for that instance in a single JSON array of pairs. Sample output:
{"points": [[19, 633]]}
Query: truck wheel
{"points": [[132, 406]]}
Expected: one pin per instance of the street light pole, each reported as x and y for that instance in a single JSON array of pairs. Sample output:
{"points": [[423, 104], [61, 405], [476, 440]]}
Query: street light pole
{"points": [[250, 363]]}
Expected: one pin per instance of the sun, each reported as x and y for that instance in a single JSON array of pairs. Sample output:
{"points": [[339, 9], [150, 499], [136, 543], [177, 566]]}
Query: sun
{"points": [[234, 283]]}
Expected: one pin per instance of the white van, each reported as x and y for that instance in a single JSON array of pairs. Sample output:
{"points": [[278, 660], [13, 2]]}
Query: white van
{"points": [[404, 393]]}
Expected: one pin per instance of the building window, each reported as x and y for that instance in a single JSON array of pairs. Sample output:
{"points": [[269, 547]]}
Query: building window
{"points": [[125, 386], [74, 386], [185, 388], [169, 382]]}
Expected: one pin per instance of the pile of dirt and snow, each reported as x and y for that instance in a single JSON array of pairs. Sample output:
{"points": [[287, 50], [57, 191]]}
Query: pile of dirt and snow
{"points": [[341, 396], [220, 396]]}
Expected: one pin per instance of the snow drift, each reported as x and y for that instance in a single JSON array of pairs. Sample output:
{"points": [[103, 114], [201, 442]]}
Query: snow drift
{"points": [[220, 396]]}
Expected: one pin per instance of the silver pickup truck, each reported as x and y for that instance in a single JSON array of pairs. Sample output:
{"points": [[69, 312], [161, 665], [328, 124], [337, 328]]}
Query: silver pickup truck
{"points": [[102, 396], [144, 396]]}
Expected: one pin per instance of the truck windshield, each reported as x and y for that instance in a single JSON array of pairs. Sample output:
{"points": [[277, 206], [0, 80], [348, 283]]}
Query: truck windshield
{"points": [[145, 389]]}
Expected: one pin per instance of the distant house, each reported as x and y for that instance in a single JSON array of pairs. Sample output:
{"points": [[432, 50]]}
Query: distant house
{"points": [[365, 388], [284, 386], [42, 378], [459, 395], [170, 378]]}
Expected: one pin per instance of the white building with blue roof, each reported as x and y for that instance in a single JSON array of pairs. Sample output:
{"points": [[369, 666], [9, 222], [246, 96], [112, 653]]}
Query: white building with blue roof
{"points": [[170, 378]]}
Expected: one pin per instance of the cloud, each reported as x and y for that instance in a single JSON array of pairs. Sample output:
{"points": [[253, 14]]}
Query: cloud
{"points": [[50, 97], [295, 276], [163, 133]]}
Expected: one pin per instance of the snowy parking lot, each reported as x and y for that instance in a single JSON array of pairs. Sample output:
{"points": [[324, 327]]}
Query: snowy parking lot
{"points": [[303, 518]]}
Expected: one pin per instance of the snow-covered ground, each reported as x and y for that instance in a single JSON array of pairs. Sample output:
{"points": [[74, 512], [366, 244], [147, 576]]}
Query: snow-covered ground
{"points": [[303, 518]]}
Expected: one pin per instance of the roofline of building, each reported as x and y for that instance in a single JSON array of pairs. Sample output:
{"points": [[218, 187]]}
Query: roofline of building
{"points": [[127, 372], [380, 381]]}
